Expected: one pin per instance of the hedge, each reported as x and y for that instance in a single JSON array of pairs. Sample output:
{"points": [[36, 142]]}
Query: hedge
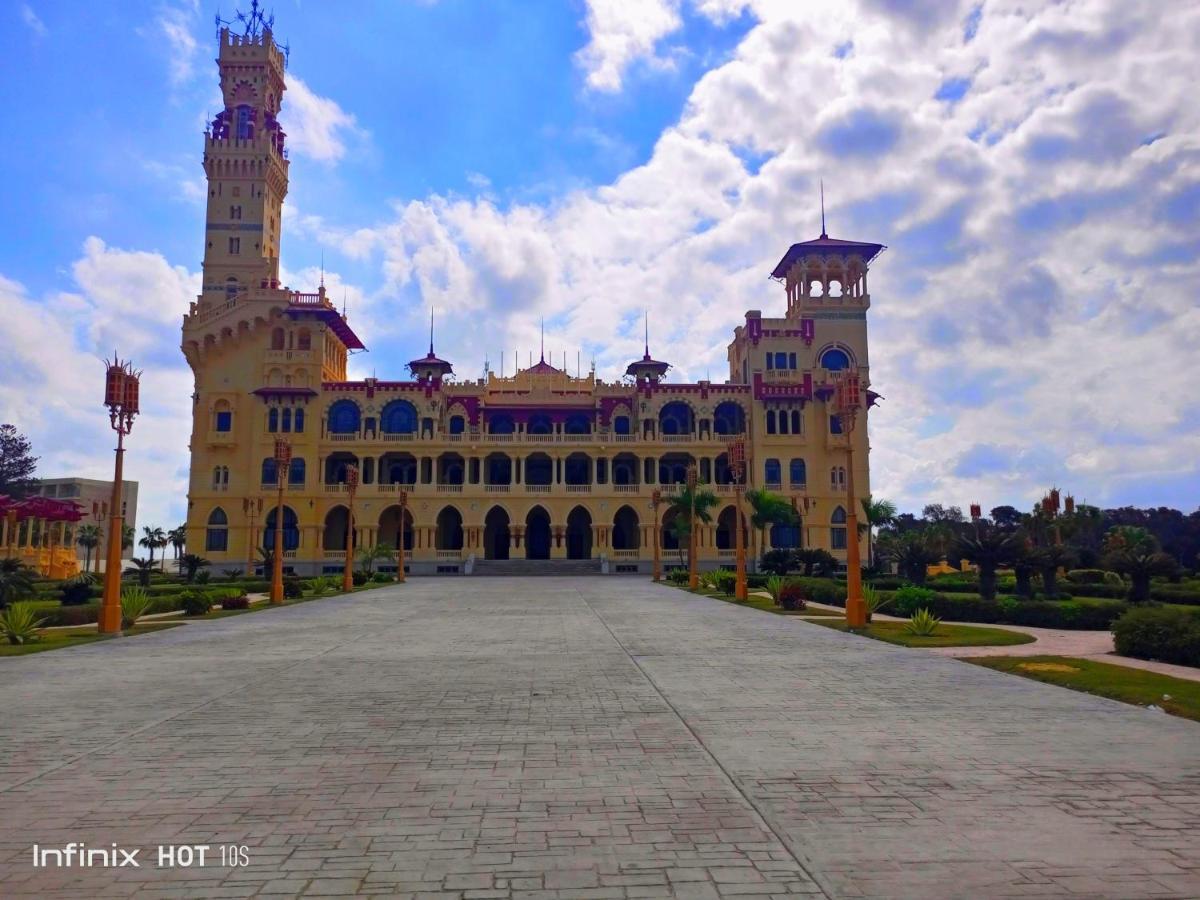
{"points": [[89, 613], [1160, 633]]}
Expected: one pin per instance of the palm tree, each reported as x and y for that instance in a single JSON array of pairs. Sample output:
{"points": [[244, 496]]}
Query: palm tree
{"points": [[988, 548], [912, 551], [152, 539], [876, 514], [1135, 552], [768, 509], [127, 537], [680, 512], [16, 580], [143, 567], [190, 564], [368, 556], [88, 537], [178, 539], [1049, 560]]}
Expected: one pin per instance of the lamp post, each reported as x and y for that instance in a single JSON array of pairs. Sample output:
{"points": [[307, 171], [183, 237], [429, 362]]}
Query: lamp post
{"points": [[348, 566], [847, 401], [400, 576], [737, 465], [693, 574], [283, 460], [121, 396], [655, 499], [252, 507]]}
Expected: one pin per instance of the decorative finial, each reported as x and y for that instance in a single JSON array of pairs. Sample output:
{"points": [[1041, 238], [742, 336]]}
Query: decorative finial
{"points": [[431, 331], [542, 352], [646, 318], [343, 299], [823, 234], [322, 268]]}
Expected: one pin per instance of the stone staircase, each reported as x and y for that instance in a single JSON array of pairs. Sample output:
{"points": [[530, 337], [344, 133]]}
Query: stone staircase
{"points": [[529, 567]]}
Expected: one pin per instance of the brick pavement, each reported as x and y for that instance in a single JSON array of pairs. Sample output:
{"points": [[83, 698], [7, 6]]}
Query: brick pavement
{"points": [[580, 738]]}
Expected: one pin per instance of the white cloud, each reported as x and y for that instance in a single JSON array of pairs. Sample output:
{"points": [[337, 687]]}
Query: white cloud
{"points": [[174, 24], [317, 127], [620, 33], [33, 21]]}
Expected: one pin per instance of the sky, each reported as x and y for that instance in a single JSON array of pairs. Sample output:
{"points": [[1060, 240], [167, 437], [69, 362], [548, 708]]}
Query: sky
{"points": [[1033, 168]]}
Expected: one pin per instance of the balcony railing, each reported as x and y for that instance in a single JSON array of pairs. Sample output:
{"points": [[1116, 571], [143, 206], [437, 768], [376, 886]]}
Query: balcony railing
{"points": [[446, 555], [626, 488], [538, 488], [626, 554], [449, 488], [335, 554], [497, 488], [578, 488]]}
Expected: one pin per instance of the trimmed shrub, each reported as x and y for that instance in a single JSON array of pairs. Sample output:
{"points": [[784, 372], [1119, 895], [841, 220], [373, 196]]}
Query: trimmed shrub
{"points": [[196, 603], [886, 582], [88, 614], [1093, 576], [791, 597], [242, 602], [677, 576], [359, 578], [77, 592], [293, 587], [724, 581], [823, 590], [756, 581], [778, 562], [1161, 633], [910, 598], [382, 578]]}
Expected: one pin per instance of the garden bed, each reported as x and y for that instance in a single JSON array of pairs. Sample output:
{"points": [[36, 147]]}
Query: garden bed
{"points": [[73, 637], [944, 636]]}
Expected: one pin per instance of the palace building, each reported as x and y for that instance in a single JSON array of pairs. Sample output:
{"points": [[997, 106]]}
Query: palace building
{"points": [[541, 465]]}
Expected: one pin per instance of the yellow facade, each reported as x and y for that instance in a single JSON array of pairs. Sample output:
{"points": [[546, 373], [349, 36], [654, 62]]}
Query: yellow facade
{"points": [[542, 464]]}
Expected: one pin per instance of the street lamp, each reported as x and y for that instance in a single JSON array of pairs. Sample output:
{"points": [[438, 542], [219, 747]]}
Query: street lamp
{"points": [[348, 566], [847, 402], [121, 396], [737, 466], [400, 577], [655, 499], [252, 507], [693, 574], [283, 461]]}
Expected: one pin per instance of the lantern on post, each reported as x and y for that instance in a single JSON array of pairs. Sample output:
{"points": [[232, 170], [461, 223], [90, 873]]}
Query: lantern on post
{"points": [[693, 479], [121, 386], [348, 565], [400, 576], [283, 460], [737, 467], [847, 402], [252, 507]]}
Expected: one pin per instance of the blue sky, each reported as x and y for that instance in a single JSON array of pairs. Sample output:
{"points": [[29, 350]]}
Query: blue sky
{"points": [[1032, 167]]}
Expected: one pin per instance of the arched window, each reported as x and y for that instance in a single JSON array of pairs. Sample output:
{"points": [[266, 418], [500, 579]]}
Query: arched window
{"points": [[343, 417], [837, 478], [269, 471], [770, 421], [728, 418], [216, 535], [291, 529], [304, 339], [577, 424], [501, 424], [398, 417], [276, 338], [621, 425], [457, 424], [837, 529], [539, 424], [797, 473], [675, 418], [774, 476], [835, 359], [273, 419], [287, 419], [296, 471], [795, 421], [298, 422]]}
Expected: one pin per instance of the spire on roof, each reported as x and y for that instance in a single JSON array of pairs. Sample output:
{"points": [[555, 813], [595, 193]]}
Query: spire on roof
{"points": [[431, 330], [542, 352], [823, 233]]}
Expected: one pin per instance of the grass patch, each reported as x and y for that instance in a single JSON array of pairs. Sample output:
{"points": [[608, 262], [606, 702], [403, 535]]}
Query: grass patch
{"points": [[945, 636], [761, 603], [1137, 686], [72, 637]]}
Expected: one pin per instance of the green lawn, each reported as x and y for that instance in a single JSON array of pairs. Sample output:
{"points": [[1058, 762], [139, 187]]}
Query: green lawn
{"points": [[1137, 686], [765, 604], [73, 637], [945, 636]]}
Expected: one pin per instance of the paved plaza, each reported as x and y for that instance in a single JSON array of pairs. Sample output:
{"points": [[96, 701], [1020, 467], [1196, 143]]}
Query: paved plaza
{"points": [[579, 738]]}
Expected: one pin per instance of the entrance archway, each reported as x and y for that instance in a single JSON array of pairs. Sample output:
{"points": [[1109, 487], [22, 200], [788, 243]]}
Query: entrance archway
{"points": [[495, 534], [625, 530], [537, 534], [389, 528], [579, 534], [449, 529]]}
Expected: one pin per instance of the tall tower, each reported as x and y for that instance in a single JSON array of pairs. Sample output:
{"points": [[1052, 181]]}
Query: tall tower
{"points": [[246, 164]]}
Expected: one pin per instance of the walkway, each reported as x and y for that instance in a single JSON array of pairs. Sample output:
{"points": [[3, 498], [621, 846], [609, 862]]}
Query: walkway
{"points": [[580, 738]]}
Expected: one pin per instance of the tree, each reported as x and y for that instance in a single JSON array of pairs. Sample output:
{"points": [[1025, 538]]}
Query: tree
{"points": [[368, 556], [17, 463], [152, 539], [936, 513], [876, 514], [127, 536], [1007, 517], [190, 564], [819, 563], [143, 568], [767, 509], [1048, 560], [680, 512], [912, 551], [1136, 552], [988, 547], [88, 537], [178, 539], [16, 580]]}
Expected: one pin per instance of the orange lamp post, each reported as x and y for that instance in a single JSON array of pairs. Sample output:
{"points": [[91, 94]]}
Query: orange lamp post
{"points": [[121, 396], [252, 507], [737, 466], [655, 500], [693, 573], [283, 461], [847, 402], [348, 566], [400, 576]]}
